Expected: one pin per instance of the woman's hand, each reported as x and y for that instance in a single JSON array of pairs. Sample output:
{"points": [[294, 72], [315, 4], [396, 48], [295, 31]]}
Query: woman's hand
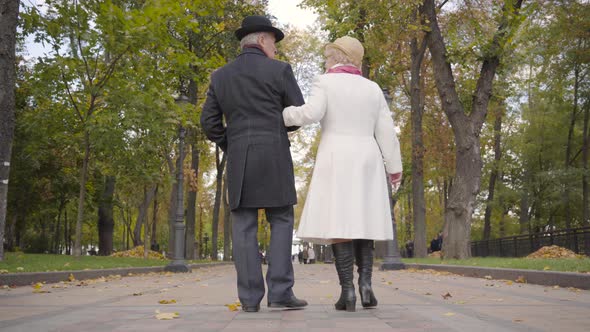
{"points": [[395, 179]]}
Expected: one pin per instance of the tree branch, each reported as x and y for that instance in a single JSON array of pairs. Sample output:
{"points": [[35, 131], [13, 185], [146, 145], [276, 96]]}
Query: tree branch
{"points": [[483, 90], [71, 97]]}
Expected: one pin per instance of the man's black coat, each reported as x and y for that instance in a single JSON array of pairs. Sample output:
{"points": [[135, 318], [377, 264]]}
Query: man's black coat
{"points": [[251, 93]]}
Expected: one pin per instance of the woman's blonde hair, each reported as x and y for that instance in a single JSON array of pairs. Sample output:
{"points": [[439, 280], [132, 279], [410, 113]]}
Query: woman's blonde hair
{"points": [[338, 56]]}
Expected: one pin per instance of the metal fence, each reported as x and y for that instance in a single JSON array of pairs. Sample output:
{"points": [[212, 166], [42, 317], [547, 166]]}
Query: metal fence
{"points": [[575, 239]]}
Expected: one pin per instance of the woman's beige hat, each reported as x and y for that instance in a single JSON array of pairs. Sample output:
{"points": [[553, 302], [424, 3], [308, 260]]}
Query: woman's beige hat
{"points": [[351, 47]]}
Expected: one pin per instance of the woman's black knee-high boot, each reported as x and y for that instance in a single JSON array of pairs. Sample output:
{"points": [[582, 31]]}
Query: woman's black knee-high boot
{"points": [[363, 250], [344, 261]]}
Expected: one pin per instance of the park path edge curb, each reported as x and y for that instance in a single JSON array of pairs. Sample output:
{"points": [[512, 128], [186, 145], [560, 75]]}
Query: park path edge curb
{"points": [[545, 278], [28, 278]]}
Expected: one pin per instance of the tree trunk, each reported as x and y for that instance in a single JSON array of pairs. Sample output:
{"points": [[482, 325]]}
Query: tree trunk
{"points": [[82, 196], [524, 206], [417, 104], [106, 221], [568, 153], [10, 232], [8, 23], [215, 224], [172, 207], [466, 128], [585, 147], [154, 243], [200, 252], [226, 222], [56, 236], [487, 226], [191, 205], [142, 216]]}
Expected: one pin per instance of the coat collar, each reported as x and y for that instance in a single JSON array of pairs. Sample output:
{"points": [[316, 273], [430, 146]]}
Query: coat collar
{"points": [[252, 50]]}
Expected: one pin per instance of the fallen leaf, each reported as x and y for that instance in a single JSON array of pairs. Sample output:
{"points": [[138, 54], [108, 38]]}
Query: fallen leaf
{"points": [[460, 302], [449, 314], [38, 285], [167, 301], [546, 268], [234, 306], [427, 293], [40, 291], [555, 287], [446, 296], [521, 280], [20, 268], [166, 315], [67, 264], [71, 277], [488, 277], [3, 271], [137, 294], [509, 282]]}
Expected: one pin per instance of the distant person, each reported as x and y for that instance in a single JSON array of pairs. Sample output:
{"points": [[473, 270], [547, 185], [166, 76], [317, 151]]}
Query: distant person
{"points": [[305, 255], [410, 248], [300, 256], [311, 255], [347, 203]]}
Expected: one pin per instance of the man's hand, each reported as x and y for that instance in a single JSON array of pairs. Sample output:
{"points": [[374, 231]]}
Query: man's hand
{"points": [[395, 180]]}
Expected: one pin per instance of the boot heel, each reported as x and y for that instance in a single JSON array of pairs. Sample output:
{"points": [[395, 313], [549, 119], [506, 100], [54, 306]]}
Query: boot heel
{"points": [[351, 306], [365, 296]]}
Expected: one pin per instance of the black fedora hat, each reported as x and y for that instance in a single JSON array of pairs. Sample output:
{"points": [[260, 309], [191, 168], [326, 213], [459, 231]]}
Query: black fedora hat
{"points": [[257, 23]]}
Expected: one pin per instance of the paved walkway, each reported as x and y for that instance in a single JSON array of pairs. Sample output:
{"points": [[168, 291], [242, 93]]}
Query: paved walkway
{"points": [[409, 300]]}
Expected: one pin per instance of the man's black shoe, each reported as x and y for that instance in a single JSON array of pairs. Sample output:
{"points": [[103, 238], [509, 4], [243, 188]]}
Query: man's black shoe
{"points": [[293, 302], [251, 308]]}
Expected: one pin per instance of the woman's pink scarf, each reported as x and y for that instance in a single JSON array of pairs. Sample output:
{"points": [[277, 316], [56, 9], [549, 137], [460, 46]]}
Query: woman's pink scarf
{"points": [[346, 69]]}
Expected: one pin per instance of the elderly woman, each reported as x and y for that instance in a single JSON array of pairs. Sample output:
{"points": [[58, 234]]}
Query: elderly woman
{"points": [[347, 204]]}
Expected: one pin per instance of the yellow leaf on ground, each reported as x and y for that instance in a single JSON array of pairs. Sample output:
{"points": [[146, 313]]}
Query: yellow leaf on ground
{"points": [[67, 264], [40, 291], [234, 306], [3, 271], [71, 277], [167, 301], [521, 280], [546, 268], [20, 268], [166, 315], [488, 277], [449, 314], [509, 282], [38, 285]]}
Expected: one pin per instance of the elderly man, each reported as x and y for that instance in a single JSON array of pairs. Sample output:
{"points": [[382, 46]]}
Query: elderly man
{"points": [[251, 93]]}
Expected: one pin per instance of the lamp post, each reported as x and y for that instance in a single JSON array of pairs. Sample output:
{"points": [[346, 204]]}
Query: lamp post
{"points": [[179, 264], [392, 259], [206, 238]]}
